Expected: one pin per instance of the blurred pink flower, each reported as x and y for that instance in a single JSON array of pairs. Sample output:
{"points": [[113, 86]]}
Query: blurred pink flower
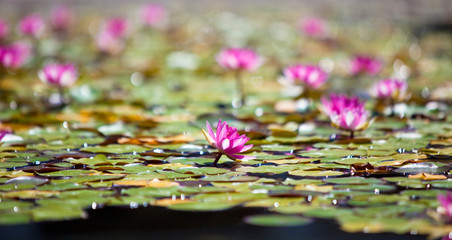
{"points": [[153, 14], [227, 140], [445, 202], [116, 27], [32, 25], [346, 113], [61, 18], [110, 38], [313, 27], [107, 43], [59, 75], [389, 88], [4, 29], [337, 103], [311, 76], [15, 55], [3, 133], [239, 59], [365, 64]]}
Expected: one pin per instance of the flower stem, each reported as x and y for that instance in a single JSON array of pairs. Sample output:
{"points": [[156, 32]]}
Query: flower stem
{"points": [[352, 134], [61, 93], [217, 159], [391, 105], [2, 77], [239, 83]]}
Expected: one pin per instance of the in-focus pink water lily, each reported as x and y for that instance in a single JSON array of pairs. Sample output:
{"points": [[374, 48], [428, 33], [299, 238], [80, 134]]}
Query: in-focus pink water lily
{"points": [[389, 89], [4, 29], [313, 27], [15, 55], [351, 119], [153, 14], [338, 102], [365, 64], [32, 25], [445, 205], [61, 18], [346, 113], [59, 75], [227, 140], [307, 75], [239, 59]]}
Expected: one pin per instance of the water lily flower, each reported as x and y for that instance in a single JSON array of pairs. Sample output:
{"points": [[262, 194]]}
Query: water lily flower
{"points": [[8, 136], [389, 89], [239, 60], [59, 75], [15, 55], [346, 113], [4, 29], [336, 103], [3, 134], [61, 18], [110, 39], [313, 27], [365, 64], [227, 141], [351, 120], [312, 77], [445, 206], [116, 27], [32, 25], [107, 43], [153, 14]]}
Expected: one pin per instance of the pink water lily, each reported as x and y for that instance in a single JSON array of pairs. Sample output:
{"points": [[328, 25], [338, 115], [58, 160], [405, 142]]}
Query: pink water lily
{"points": [[153, 14], [310, 76], [4, 29], [346, 113], [313, 27], [227, 140], [239, 59], [3, 134], [351, 119], [32, 25], [445, 204], [110, 39], [116, 27], [15, 55], [107, 43], [61, 18], [365, 64], [336, 103], [389, 89], [59, 75]]}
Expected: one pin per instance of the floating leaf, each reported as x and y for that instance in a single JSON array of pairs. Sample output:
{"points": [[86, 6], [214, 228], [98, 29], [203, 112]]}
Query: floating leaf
{"points": [[276, 220]]}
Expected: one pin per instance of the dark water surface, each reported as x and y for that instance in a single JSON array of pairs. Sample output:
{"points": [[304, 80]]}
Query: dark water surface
{"points": [[161, 223]]}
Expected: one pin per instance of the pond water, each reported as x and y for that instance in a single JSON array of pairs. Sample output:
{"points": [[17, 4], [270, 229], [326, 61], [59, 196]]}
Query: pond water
{"points": [[104, 135]]}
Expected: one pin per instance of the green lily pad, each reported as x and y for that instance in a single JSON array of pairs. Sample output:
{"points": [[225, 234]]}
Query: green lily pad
{"points": [[202, 206], [115, 148], [276, 220]]}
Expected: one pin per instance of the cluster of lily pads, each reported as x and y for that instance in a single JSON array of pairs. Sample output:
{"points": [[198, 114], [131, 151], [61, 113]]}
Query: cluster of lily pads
{"points": [[125, 125]]}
